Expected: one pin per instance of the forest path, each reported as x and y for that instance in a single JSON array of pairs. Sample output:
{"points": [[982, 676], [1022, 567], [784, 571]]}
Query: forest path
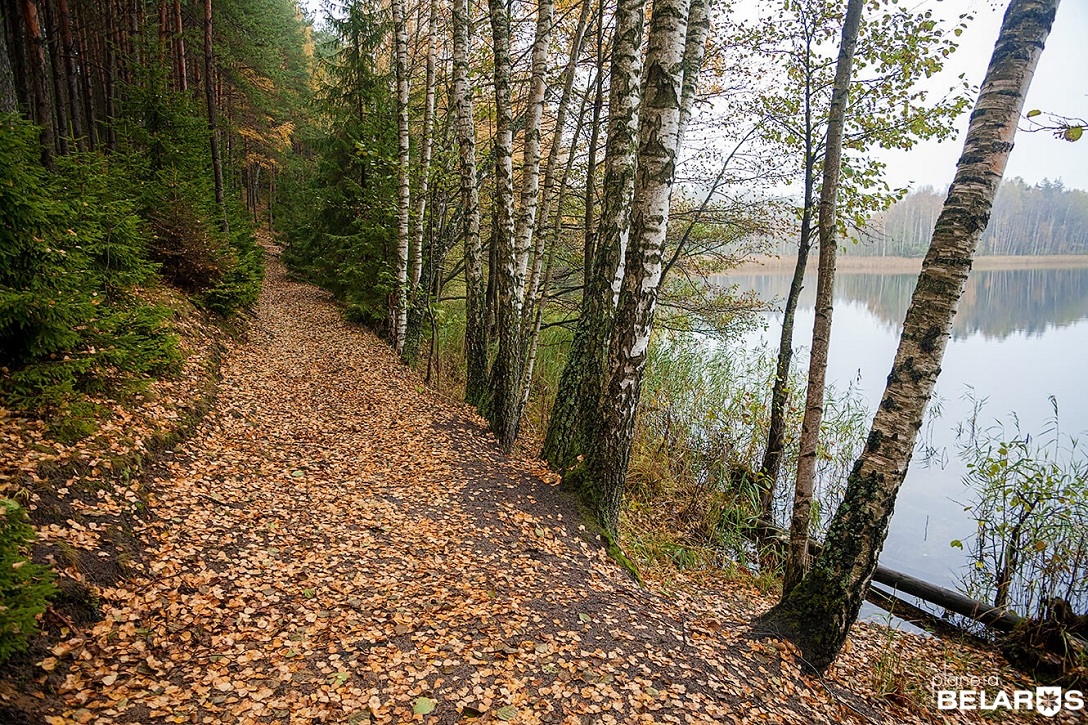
{"points": [[336, 542]]}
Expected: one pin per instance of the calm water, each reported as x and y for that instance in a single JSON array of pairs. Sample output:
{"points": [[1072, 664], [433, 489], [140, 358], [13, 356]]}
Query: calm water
{"points": [[1020, 336]]}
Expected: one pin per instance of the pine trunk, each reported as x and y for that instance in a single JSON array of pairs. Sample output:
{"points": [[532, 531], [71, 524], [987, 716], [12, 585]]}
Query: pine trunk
{"points": [[797, 552], [475, 302], [64, 19], [42, 104], [9, 102], [213, 129], [658, 148], [818, 613], [179, 36]]}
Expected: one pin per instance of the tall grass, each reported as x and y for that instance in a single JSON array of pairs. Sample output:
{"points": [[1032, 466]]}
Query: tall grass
{"points": [[701, 436]]}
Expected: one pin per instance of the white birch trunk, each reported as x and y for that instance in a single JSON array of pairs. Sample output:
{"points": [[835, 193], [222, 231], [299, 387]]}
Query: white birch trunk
{"points": [[530, 169], [475, 326], [425, 147], [583, 377], [659, 145], [505, 372], [400, 33], [548, 194]]}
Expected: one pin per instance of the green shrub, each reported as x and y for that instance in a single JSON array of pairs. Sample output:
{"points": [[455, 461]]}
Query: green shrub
{"points": [[24, 586], [73, 255]]}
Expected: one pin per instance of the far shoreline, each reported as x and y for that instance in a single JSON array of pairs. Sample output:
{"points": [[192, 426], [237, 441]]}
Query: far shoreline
{"points": [[910, 265]]}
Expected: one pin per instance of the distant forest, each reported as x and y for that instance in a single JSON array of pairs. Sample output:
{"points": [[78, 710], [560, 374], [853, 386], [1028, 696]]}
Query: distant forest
{"points": [[1046, 218]]}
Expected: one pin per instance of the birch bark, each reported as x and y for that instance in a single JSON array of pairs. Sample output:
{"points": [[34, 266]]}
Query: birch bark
{"points": [[503, 405], [582, 379], [818, 613], [530, 169], [400, 61], [475, 302], [659, 145]]}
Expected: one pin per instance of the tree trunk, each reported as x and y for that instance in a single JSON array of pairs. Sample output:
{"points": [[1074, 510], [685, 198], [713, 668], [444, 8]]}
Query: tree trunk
{"points": [[694, 51], [659, 143], [475, 303], [43, 110], [9, 102], [530, 168], [797, 553], [55, 63], [547, 236], [64, 19], [414, 330], [400, 32], [582, 380], [776, 428], [505, 373], [179, 36], [532, 312], [213, 130], [817, 613]]}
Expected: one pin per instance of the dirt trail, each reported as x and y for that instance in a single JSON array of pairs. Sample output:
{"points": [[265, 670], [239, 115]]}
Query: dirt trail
{"points": [[337, 542]]}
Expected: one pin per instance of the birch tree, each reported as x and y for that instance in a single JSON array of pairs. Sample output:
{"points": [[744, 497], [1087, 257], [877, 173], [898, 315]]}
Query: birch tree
{"points": [[896, 46], [400, 62], [582, 379], [817, 613], [547, 232], [503, 406], [416, 296], [530, 170], [797, 556], [475, 302], [659, 145]]}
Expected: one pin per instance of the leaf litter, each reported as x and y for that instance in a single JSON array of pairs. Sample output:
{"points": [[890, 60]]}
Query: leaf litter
{"points": [[337, 543]]}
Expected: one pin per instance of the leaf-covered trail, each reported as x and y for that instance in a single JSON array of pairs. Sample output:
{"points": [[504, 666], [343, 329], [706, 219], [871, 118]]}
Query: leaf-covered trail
{"points": [[337, 542]]}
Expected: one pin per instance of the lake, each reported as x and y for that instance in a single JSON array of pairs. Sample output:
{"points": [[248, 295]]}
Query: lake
{"points": [[1020, 336]]}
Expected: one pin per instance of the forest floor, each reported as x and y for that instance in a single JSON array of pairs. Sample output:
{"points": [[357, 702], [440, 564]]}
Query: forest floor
{"points": [[337, 543]]}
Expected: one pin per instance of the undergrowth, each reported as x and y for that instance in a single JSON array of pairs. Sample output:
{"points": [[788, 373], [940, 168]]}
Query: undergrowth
{"points": [[81, 248], [25, 587]]}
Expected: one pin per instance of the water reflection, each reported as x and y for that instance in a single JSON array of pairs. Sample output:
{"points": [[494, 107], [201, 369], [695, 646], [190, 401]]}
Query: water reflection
{"points": [[996, 303]]}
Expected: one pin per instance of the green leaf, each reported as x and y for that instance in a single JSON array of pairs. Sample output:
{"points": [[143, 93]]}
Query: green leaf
{"points": [[506, 712], [1034, 112], [423, 706], [1073, 133], [584, 618], [956, 543]]}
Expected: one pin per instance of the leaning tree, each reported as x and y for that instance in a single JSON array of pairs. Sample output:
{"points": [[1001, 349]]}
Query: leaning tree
{"points": [[817, 614]]}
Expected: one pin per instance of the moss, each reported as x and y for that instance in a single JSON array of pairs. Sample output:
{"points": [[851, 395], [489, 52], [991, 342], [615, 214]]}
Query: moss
{"points": [[574, 482]]}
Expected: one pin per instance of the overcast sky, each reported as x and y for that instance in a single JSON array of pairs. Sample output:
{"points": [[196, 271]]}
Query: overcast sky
{"points": [[1060, 86]]}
